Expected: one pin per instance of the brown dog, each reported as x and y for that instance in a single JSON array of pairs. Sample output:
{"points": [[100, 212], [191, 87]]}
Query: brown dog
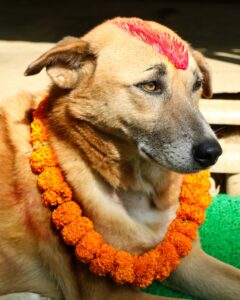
{"points": [[123, 119]]}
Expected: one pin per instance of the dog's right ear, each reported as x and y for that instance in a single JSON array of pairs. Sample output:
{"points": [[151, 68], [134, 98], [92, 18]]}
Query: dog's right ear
{"points": [[204, 68], [63, 62]]}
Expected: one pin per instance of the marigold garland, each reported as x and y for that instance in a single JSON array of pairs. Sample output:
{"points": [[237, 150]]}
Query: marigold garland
{"points": [[78, 231]]}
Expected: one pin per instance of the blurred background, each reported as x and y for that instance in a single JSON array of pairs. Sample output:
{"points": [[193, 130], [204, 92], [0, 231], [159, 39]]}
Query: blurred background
{"points": [[210, 25]]}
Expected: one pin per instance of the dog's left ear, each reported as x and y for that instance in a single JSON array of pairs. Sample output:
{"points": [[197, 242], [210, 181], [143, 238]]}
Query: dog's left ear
{"points": [[204, 68], [63, 62]]}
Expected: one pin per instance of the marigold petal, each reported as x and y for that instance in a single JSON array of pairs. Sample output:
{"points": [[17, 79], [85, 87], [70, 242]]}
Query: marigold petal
{"points": [[168, 260], [50, 198], [42, 157], [39, 133], [87, 247], [182, 243], [104, 260], [145, 268], [76, 230], [65, 214], [50, 179], [65, 193], [199, 180], [186, 227], [123, 269], [192, 213], [196, 196]]}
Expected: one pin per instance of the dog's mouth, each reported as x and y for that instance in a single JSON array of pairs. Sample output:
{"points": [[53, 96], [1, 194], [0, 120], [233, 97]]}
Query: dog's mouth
{"points": [[167, 163], [147, 155], [144, 153]]}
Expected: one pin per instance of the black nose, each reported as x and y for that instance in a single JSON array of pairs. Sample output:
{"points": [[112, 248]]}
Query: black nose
{"points": [[207, 152]]}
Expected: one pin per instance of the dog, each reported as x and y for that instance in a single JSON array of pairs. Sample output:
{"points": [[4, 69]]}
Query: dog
{"points": [[124, 122]]}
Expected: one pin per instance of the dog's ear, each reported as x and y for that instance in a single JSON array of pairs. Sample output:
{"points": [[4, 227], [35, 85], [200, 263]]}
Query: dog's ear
{"points": [[63, 62], [204, 68]]}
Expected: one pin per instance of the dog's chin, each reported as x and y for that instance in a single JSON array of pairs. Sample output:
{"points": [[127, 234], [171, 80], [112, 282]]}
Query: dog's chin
{"points": [[166, 164]]}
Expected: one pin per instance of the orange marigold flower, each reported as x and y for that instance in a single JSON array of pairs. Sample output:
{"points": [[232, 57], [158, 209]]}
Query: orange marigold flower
{"points": [[205, 200], [65, 193], [88, 246], [186, 227], [51, 198], [189, 194], [66, 213], [39, 133], [191, 212], [56, 190], [123, 269], [168, 260], [50, 179], [199, 180], [182, 243], [76, 230], [145, 268], [42, 157], [192, 196], [104, 260]]}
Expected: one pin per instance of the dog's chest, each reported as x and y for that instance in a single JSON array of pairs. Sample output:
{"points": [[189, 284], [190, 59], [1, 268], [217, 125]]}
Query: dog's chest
{"points": [[141, 208]]}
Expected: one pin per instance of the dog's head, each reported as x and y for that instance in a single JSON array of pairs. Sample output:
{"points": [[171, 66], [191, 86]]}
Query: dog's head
{"points": [[141, 82]]}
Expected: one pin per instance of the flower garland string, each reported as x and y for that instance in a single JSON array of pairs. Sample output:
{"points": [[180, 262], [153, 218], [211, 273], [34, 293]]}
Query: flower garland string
{"points": [[78, 231]]}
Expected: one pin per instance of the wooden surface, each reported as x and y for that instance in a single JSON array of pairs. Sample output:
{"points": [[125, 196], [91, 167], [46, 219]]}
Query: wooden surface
{"points": [[229, 161], [14, 59], [220, 111]]}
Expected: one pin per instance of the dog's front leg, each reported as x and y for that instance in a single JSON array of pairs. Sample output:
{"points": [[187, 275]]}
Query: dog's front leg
{"points": [[23, 296], [205, 277], [61, 267], [100, 288]]}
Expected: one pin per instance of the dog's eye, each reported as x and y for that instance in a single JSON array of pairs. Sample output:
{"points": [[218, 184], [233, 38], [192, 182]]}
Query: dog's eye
{"points": [[149, 86], [197, 85], [152, 87]]}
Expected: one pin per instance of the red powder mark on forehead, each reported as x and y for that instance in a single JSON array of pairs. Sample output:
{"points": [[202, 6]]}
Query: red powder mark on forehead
{"points": [[163, 42]]}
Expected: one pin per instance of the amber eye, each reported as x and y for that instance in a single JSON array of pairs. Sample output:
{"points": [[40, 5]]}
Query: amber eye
{"points": [[149, 86], [152, 87]]}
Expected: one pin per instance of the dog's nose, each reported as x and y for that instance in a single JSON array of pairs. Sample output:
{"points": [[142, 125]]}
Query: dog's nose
{"points": [[207, 152]]}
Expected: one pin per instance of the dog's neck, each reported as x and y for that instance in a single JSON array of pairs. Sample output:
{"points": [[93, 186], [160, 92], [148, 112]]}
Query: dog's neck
{"points": [[110, 157], [107, 173]]}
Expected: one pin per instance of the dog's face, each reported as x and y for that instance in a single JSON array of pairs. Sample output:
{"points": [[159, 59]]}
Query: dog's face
{"points": [[143, 89]]}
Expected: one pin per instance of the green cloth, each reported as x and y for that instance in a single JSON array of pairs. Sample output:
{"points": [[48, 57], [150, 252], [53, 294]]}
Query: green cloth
{"points": [[220, 237]]}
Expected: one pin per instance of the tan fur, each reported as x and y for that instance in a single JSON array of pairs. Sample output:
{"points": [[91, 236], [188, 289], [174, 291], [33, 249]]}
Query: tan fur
{"points": [[96, 127]]}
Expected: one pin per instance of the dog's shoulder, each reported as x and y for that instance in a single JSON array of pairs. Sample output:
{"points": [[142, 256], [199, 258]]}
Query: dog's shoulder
{"points": [[15, 119]]}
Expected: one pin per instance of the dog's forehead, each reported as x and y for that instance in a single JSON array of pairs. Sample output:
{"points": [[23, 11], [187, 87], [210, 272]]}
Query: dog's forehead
{"points": [[132, 42], [164, 42]]}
